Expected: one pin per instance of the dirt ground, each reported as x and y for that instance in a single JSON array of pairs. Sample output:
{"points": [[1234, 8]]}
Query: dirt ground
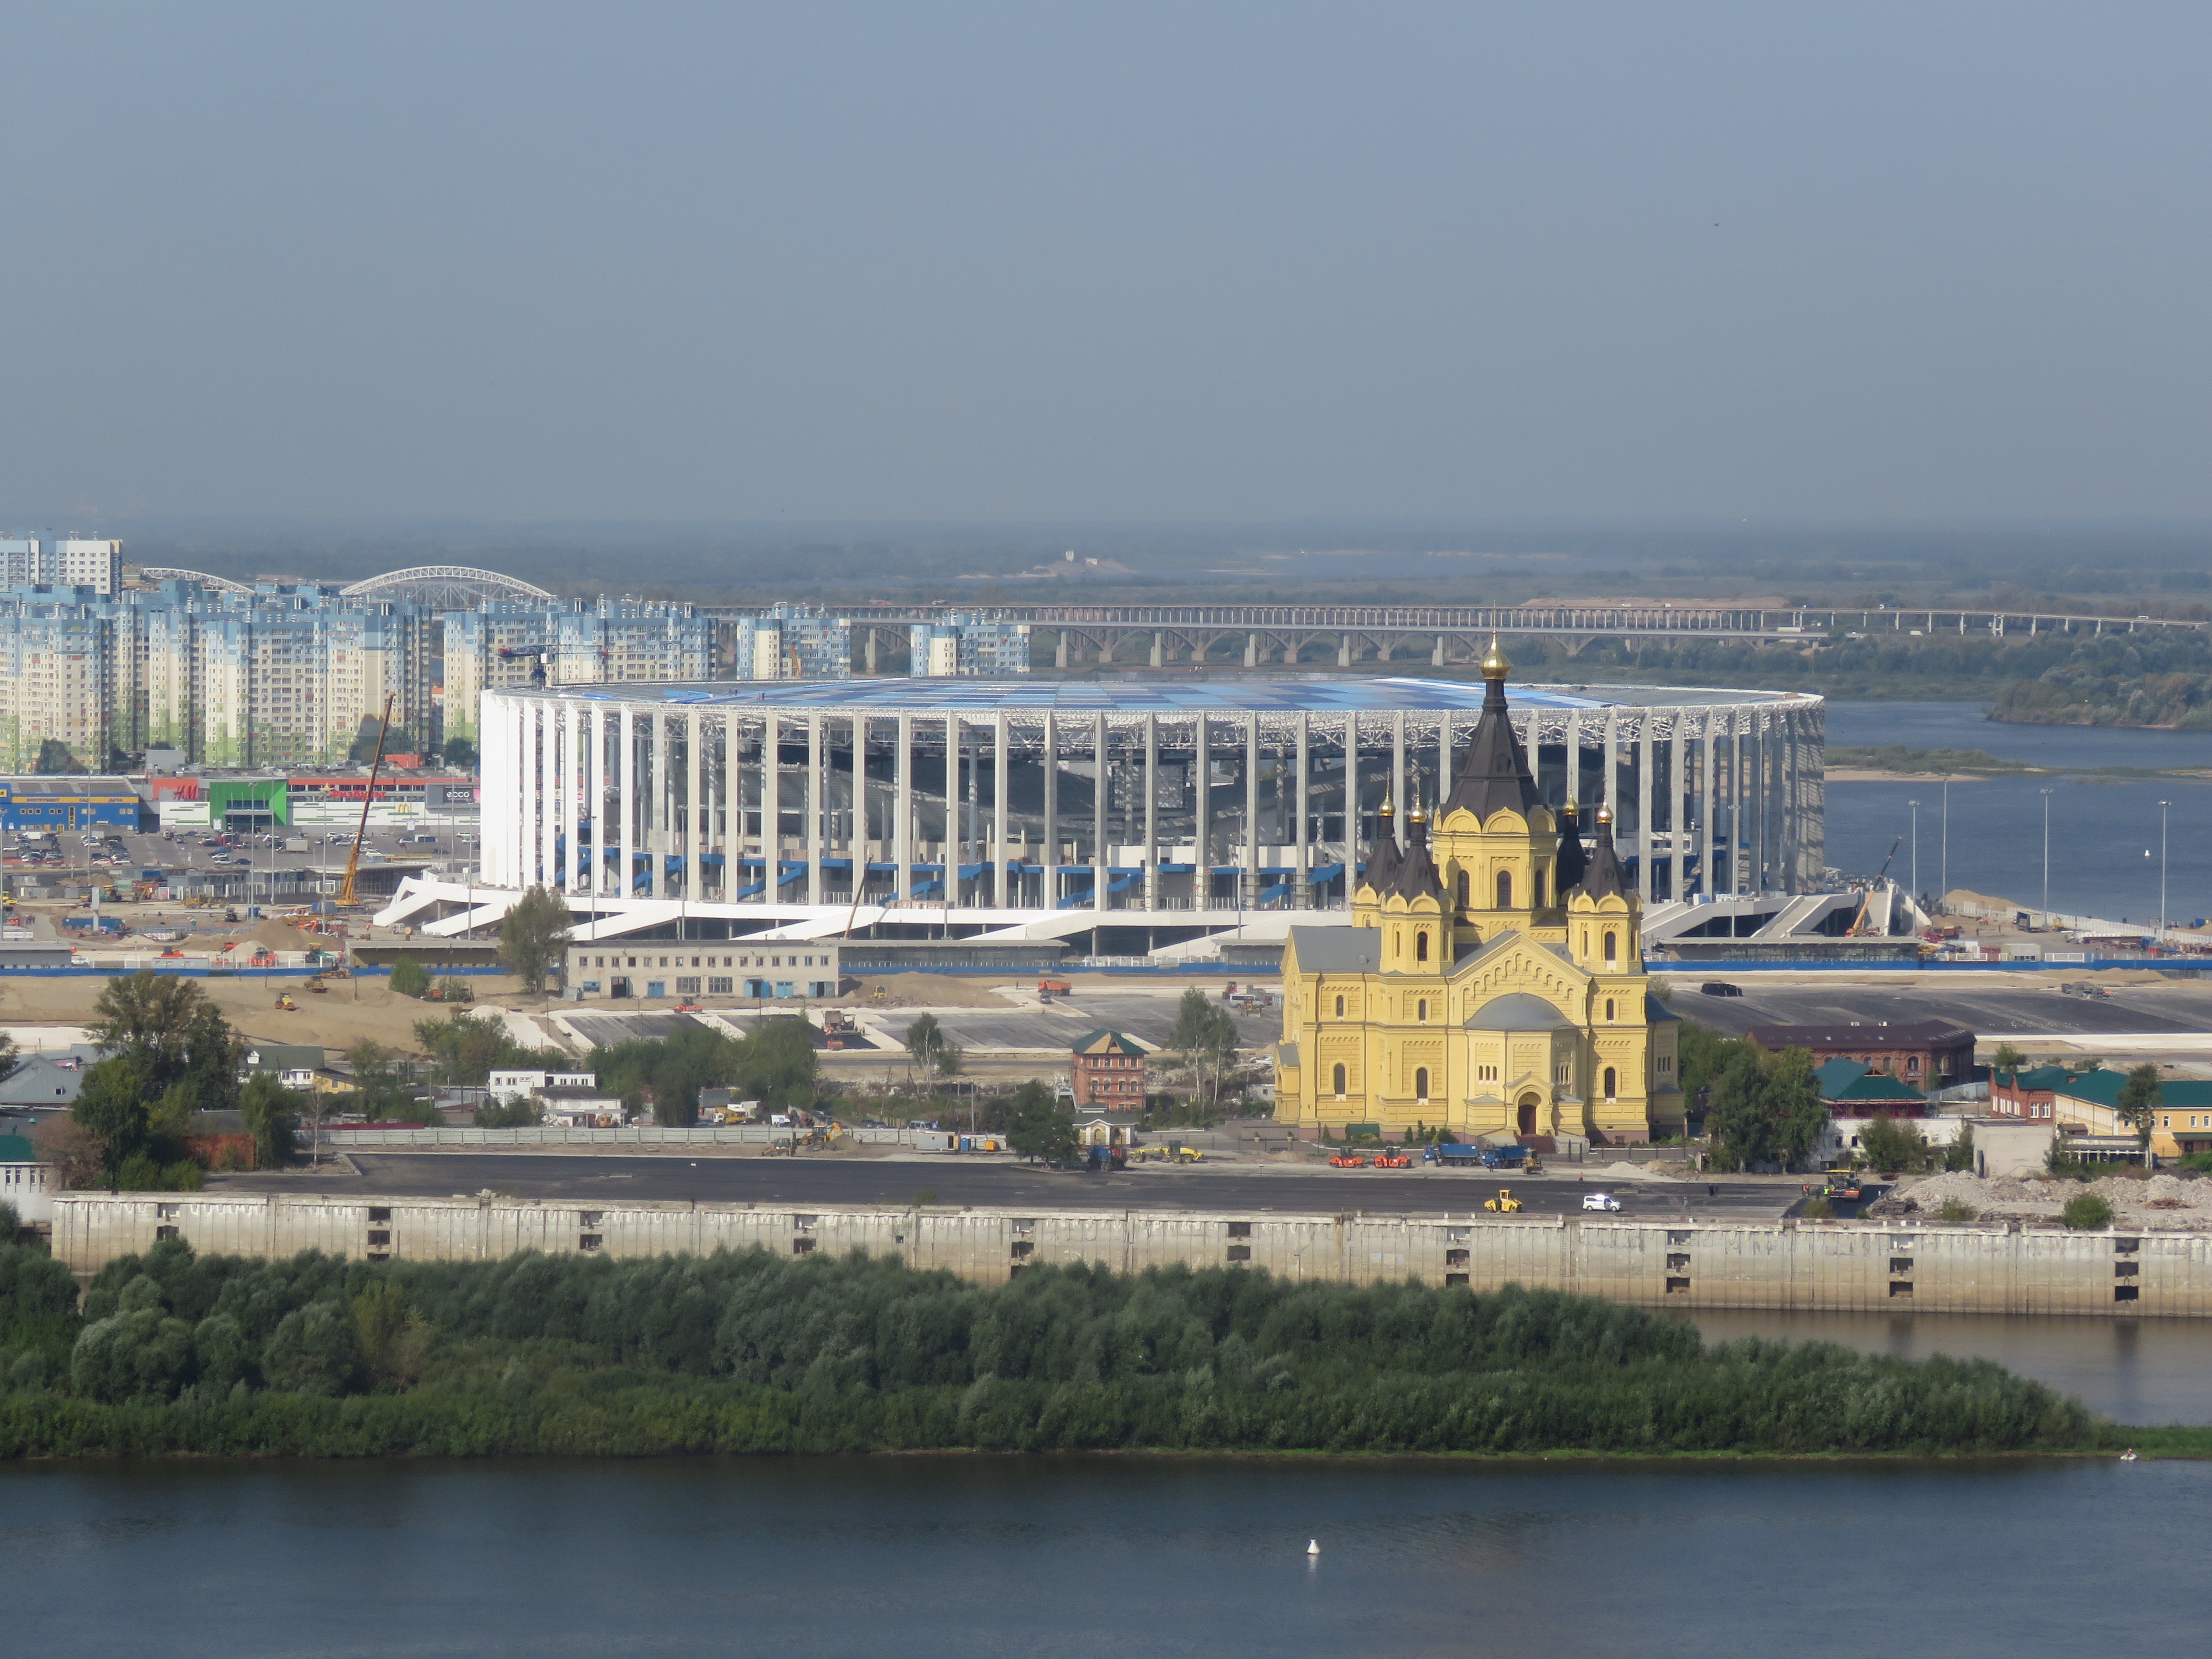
{"points": [[349, 1011], [925, 990]]}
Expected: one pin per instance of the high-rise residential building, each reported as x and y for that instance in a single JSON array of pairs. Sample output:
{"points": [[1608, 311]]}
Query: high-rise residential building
{"points": [[967, 643], [62, 561], [792, 643], [57, 664]]}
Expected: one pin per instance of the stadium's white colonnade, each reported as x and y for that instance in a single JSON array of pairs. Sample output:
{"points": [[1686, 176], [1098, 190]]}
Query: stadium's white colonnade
{"points": [[1056, 795]]}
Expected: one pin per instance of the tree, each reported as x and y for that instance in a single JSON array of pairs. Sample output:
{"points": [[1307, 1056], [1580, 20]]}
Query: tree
{"points": [[1040, 1127], [409, 978], [79, 1156], [381, 1088], [923, 1039], [1702, 1055], [1205, 1035], [460, 753], [534, 939], [114, 1104], [55, 759], [1891, 1146], [468, 1047], [2008, 1060], [1763, 1109], [2139, 1099], [11, 1061], [272, 1115], [173, 1031]]}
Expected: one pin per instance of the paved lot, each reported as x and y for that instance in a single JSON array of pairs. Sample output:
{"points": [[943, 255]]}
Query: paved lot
{"points": [[757, 1180], [1989, 1010]]}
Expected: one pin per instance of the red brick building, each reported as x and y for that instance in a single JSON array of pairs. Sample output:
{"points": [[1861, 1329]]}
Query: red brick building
{"points": [[1110, 1073], [1928, 1053]]}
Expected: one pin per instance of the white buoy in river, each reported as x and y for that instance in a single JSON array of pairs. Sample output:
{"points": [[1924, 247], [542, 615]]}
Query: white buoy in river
{"points": [[1313, 1547]]}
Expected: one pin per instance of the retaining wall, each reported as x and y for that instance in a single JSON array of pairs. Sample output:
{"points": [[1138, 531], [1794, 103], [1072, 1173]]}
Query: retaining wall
{"points": [[1857, 1267]]}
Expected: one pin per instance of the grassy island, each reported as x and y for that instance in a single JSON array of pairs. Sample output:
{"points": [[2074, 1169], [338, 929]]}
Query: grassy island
{"points": [[171, 1353]]}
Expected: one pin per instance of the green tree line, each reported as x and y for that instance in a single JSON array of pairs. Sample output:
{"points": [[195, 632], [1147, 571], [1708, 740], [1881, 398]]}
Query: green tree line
{"points": [[749, 1352]]}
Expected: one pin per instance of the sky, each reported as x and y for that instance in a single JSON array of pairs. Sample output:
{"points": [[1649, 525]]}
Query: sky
{"points": [[1862, 263]]}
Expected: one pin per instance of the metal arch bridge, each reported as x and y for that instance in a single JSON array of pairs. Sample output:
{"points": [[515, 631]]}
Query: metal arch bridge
{"points": [[162, 572], [445, 585], [1218, 635]]}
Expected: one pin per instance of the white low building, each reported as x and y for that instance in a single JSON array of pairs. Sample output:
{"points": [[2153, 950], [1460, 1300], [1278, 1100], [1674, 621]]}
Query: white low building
{"points": [[27, 1186], [507, 1087]]}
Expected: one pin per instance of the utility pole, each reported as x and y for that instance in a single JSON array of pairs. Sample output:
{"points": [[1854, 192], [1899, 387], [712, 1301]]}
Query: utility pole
{"points": [[1943, 865]]}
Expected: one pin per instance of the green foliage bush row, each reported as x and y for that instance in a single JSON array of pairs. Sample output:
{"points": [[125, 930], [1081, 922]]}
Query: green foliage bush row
{"points": [[173, 1352]]}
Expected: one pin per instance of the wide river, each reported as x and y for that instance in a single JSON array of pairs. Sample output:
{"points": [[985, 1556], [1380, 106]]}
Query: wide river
{"points": [[2104, 834], [912, 1557]]}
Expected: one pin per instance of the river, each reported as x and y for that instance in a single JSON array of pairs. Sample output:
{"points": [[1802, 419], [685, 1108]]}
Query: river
{"points": [[920, 1557], [2104, 834]]}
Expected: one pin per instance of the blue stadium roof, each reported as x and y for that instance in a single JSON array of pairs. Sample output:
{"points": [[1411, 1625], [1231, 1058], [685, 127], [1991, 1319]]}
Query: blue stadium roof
{"points": [[1118, 696]]}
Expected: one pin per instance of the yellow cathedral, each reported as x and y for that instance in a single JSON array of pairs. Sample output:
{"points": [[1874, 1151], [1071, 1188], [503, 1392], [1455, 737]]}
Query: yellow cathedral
{"points": [[1492, 984]]}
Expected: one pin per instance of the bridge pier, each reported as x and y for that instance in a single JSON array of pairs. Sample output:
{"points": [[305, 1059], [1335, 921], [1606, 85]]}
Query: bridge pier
{"points": [[1059, 653], [1159, 643], [1344, 650], [1436, 656], [1251, 650], [868, 646]]}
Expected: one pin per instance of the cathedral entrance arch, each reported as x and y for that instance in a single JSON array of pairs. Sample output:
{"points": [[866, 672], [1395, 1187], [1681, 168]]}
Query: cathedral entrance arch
{"points": [[1528, 1105]]}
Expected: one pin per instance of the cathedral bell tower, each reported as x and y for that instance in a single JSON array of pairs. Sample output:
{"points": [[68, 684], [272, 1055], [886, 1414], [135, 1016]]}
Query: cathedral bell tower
{"points": [[1498, 846]]}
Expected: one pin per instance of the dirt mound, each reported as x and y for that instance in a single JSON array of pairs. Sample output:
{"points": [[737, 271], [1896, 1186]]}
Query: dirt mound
{"points": [[2162, 1200], [925, 990], [277, 937]]}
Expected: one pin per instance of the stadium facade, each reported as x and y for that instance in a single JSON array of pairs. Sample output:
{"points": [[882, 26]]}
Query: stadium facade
{"points": [[1021, 809]]}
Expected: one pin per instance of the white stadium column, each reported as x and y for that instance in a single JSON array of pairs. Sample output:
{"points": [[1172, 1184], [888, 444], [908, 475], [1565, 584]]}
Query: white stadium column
{"points": [[903, 821], [1351, 824], [1645, 846], [1002, 766], [733, 805], [771, 809], [1051, 878], [626, 798], [1302, 895], [1398, 769], [695, 808], [1250, 874], [817, 806], [595, 795], [1148, 883], [1706, 775], [1102, 859], [545, 788], [1201, 823], [1612, 763], [657, 804]]}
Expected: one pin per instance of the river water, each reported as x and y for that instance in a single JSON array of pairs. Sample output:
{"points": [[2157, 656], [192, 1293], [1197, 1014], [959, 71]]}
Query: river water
{"points": [[2104, 834], [921, 1556]]}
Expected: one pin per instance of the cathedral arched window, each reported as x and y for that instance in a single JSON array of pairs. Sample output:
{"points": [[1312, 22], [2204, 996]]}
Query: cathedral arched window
{"points": [[1421, 945], [1464, 899], [1536, 888], [1611, 948], [1505, 890], [1612, 1081], [1608, 1010], [1340, 1014], [1421, 1011], [1338, 1078], [1421, 1085]]}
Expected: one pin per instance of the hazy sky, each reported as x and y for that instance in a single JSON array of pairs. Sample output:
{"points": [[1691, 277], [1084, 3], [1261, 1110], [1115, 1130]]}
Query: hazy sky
{"points": [[1857, 261]]}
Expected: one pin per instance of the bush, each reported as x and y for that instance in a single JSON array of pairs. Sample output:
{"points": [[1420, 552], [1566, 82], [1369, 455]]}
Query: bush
{"points": [[410, 978], [455, 990], [2085, 1212], [1956, 1211]]}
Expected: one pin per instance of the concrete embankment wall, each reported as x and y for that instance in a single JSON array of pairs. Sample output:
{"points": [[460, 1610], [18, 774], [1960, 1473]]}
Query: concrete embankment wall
{"points": [[1857, 1267]]}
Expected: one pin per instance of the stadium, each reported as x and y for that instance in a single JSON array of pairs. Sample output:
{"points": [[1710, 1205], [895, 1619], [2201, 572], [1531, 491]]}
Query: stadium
{"points": [[1122, 818]]}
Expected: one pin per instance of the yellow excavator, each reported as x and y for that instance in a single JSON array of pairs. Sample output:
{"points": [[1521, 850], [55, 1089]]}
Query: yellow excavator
{"points": [[367, 797]]}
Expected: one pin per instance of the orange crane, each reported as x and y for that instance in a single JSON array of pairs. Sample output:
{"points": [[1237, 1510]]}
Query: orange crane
{"points": [[369, 795]]}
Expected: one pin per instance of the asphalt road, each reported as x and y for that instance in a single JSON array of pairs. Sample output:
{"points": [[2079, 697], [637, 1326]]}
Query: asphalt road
{"points": [[757, 1180]]}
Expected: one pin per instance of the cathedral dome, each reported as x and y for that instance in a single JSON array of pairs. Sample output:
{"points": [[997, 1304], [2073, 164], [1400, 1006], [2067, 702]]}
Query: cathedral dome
{"points": [[1518, 1011]]}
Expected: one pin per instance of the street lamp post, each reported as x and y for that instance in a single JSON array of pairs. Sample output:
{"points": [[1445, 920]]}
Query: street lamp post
{"points": [[1943, 858], [1915, 805], [2163, 923], [2046, 858]]}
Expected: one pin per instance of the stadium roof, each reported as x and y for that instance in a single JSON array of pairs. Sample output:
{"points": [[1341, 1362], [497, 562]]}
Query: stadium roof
{"points": [[1117, 696]]}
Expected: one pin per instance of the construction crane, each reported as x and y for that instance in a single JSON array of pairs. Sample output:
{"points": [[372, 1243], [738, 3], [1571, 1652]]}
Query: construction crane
{"points": [[1858, 928], [368, 796]]}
